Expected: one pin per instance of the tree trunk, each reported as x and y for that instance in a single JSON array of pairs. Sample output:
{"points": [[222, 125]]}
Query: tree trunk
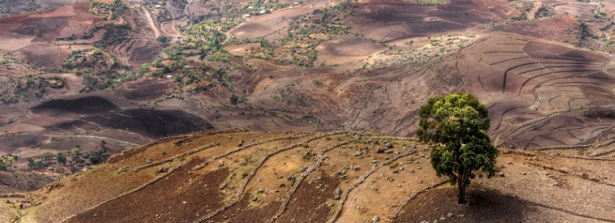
{"points": [[461, 191]]}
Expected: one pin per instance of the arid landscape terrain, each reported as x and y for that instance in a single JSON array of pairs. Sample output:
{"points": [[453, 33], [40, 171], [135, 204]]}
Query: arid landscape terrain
{"points": [[273, 110]]}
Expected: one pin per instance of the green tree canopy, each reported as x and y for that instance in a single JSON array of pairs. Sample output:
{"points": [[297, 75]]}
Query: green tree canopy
{"points": [[61, 158], [458, 124]]}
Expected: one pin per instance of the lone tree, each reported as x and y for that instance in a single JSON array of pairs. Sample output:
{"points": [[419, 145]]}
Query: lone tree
{"points": [[458, 124]]}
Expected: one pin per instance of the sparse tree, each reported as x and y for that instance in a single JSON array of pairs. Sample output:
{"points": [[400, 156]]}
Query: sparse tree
{"points": [[61, 158], [30, 162], [458, 126]]}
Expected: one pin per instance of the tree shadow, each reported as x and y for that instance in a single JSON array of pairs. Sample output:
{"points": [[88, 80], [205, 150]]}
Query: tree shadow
{"points": [[483, 205]]}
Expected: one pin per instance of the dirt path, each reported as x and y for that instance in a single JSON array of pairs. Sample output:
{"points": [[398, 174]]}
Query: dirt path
{"points": [[151, 22], [173, 32]]}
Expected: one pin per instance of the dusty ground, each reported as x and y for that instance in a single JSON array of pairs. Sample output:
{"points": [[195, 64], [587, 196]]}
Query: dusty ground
{"points": [[274, 176], [541, 90]]}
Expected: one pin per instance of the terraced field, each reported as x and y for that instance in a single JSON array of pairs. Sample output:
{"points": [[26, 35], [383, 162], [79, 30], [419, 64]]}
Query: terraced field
{"points": [[135, 51], [551, 92], [236, 176]]}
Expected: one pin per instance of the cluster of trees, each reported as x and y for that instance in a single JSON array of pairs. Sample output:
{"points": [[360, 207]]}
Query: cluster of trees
{"points": [[74, 155], [7, 160]]}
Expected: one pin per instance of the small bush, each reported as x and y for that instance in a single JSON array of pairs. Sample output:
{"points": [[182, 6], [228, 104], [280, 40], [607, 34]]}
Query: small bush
{"points": [[393, 165]]}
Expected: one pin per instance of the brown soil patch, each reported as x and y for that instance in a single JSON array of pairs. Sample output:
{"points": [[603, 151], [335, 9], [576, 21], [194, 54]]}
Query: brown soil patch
{"points": [[145, 90], [22, 181], [519, 70], [311, 201], [482, 206], [387, 21], [48, 24], [42, 54], [145, 54], [554, 29], [105, 114], [243, 49], [83, 105], [12, 144], [346, 50], [180, 197], [243, 211], [268, 25], [152, 123]]}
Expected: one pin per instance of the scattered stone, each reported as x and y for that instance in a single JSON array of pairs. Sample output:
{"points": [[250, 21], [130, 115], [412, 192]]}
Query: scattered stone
{"points": [[555, 184], [411, 171], [461, 215], [501, 174], [253, 198], [356, 168], [374, 188], [149, 160], [260, 191], [221, 163], [509, 162], [222, 186], [449, 214], [240, 142], [162, 170], [388, 145], [375, 219], [420, 181], [524, 173], [121, 170], [338, 193], [442, 218], [359, 153]]}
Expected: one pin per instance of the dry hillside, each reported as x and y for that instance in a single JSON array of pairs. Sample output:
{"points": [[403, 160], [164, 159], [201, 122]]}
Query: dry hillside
{"points": [[127, 102], [239, 176]]}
